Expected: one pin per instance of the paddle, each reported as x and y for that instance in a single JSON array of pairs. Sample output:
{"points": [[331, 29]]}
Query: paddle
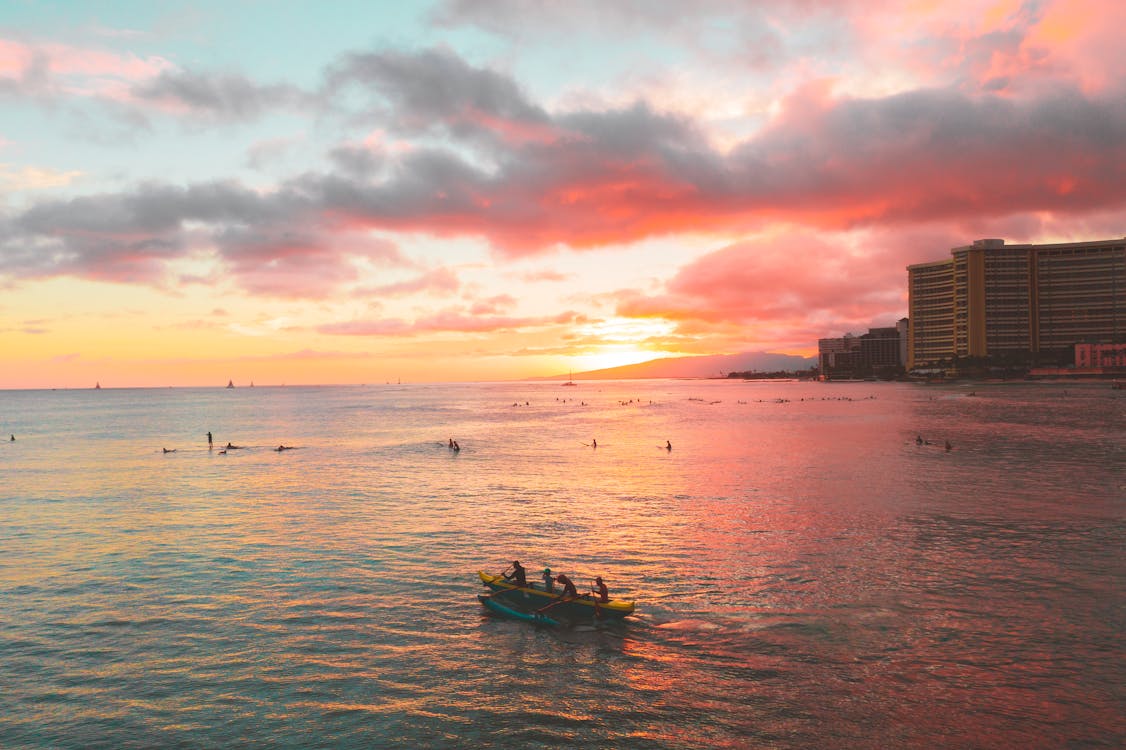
{"points": [[562, 600]]}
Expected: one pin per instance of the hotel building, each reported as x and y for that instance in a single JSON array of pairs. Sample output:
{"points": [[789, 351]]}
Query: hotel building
{"points": [[878, 350], [990, 299]]}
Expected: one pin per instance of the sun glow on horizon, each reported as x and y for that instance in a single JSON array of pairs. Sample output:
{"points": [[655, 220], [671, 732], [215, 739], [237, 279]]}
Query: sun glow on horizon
{"points": [[619, 341]]}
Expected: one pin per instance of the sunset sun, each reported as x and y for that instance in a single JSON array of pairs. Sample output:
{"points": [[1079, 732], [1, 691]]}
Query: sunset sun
{"points": [[620, 341]]}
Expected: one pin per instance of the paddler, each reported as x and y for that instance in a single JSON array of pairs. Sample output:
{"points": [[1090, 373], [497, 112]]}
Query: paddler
{"points": [[518, 574], [569, 590], [601, 590]]}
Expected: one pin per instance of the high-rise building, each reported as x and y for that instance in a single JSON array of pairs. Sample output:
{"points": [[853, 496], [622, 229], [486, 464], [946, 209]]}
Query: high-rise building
{"points": [[871, 353], [991, 299]]}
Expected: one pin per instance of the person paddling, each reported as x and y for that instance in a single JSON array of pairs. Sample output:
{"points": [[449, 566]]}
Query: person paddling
{"points": [[518, 574], [601, 590], [569, 590]]}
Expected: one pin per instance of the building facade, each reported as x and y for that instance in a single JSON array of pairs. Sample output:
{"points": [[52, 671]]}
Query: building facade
{"points": [[990, 299], [1100, 356], [879, 350]]}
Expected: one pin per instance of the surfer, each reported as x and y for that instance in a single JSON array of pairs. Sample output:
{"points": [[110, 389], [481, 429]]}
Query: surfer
{"points": [[209, 446], [168, 451], [668, 445], [593, 443], [281, 448]]}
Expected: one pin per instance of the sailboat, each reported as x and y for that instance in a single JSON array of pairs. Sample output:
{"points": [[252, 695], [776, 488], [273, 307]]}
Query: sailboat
{"points": [[230, 384], [97, 386], [570, 378]]}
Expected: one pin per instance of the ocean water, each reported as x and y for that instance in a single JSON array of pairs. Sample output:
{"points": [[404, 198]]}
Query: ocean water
{"points": [[806, 574]]}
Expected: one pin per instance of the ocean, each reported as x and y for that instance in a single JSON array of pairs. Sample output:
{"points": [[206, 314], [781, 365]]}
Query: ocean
{"points": [[807, 574]]}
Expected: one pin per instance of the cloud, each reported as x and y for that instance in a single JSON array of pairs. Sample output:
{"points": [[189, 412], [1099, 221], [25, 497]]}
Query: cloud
{"points": [[56, 70], [439, 281], [447, 321], [493, 305], [425, 91], [34, 178], [219, 96], [792, 285], [591, 177]]}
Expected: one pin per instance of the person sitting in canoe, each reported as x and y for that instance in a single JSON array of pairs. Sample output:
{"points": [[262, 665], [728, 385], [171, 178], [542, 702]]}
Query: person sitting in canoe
{"points": [[601, 590], [548, 581], [518, 574], [569, 590]]}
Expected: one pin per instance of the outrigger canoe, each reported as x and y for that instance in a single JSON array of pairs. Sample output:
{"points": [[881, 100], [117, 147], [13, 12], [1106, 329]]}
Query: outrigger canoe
{"points": [[537, 618], [529, 599]]}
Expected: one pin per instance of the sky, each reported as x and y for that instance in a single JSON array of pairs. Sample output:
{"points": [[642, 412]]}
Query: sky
{"points": [[292, 192]]}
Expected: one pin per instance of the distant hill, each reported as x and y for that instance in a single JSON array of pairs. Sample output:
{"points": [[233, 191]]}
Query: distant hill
{"points": [[711, 366]]}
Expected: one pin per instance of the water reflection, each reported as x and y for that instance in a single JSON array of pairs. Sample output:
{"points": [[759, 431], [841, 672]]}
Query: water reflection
{"points": [[808, 576]]}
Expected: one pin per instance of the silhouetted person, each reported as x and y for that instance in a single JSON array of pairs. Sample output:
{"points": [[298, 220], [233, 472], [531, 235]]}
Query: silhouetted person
{"points": [[593, 443], [548, 581], [600, 587], [518, 574], [668, 445], [569, 589], [209, 446]]}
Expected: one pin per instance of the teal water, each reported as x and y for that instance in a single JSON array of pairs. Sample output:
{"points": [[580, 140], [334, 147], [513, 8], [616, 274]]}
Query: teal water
{"points": [[806, 574]]}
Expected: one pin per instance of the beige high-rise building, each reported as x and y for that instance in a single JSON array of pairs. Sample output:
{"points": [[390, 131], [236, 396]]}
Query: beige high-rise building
{"points": [[992, 299]]}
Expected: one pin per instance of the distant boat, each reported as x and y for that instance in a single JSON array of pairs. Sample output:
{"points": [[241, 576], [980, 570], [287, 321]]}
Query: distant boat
{"points": [[230, 384], [97, 386], [570, 378]]}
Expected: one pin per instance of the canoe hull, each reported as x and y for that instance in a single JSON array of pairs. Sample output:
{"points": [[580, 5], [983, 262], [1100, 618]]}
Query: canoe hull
{"points": [[499, 608], [530, 599]]}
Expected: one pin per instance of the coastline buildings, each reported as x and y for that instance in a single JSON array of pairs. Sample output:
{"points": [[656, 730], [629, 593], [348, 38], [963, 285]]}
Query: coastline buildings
{"points": [[995, 300], [881, 350]]}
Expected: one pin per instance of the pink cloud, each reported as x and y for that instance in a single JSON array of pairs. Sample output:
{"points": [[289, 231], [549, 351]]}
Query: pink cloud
{"points": [[493, 305], [447, 321], [439, 281], [791, 286], [83, 71]]}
